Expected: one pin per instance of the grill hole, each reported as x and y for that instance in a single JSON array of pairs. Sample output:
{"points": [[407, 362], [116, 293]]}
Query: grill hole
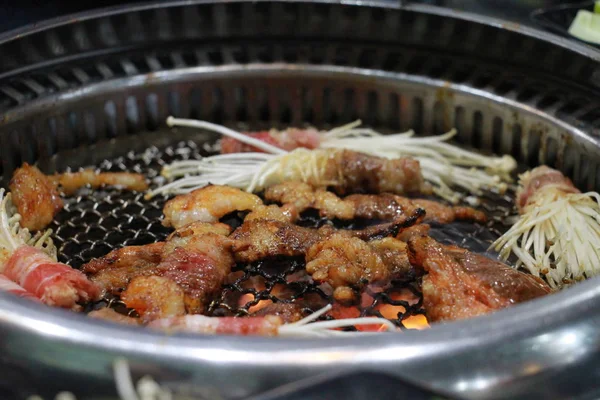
{"points": [[152, 113], [517, 133], [533, 147], [132, 115], [460, 123], [215, 57], [110, 116], [497, 131], [570, 159], [329, 114], [551, 151], [548, 101], [477, 129], [349, 109], [241, 111], [372, 108], [417, 118], [506, 86], [394, 111]]}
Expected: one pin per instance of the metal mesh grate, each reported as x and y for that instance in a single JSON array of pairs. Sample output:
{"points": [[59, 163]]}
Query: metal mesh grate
{"points": [[96, 222]]}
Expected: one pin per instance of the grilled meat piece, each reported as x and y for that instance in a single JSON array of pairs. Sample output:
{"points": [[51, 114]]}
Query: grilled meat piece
{"points": [[35, 196], [108, 314], [69, 182], [154, 297], [382, 206], [460, 284], [207, 204], [259, 239], [288, 312], [199, 264], [113, 271]]}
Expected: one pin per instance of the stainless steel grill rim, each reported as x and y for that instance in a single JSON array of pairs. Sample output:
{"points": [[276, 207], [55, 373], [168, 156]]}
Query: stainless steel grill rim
{"points": [[44, 77]]}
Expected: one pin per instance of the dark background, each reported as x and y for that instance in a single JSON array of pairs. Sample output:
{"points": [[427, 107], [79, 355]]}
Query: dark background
{"points": [[17, 13]]}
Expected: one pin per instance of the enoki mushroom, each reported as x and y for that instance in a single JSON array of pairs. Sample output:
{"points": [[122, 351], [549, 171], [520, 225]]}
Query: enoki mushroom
{"points": [[443, 165], [557, 235], [13, 236]]}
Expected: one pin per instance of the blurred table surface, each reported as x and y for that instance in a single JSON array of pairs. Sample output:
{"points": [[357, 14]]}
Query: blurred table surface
{"points": [[15, 14]]}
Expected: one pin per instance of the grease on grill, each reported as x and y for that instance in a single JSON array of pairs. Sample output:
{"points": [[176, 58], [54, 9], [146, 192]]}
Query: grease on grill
{"points": [[96, 222]]}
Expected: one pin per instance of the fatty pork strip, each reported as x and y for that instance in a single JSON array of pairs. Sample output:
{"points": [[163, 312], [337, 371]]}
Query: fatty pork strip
{"points": [[258, 239], [460, 284], [54, 283], [28, 261], [210, 203], [196, 259], [380, 206], [8, 286], [108, 314], [290, 139], [37, 196]]}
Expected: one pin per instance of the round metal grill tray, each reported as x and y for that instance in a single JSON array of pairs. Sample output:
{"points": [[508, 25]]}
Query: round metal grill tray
{"points": [[95, 90]]}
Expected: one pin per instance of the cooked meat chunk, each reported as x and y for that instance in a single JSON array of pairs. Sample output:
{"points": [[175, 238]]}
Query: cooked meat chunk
{"points": [[286, 213], [154, 297], [113, 271], [344, 262], [288, 312], [394, 254], [259, 239], [207, 204], [35, 197], [199, 264], [382, 206], [200, 228], [70, 182], [108, 314], [351, 171], [460, 284]]}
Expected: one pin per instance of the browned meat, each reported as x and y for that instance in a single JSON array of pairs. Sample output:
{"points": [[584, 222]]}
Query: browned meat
{"points": [[536, 179], [108, 314], [207, 204], [200, 228], [70, 182], [262, 238], [382, 206], [460, 284], [35, 197], [288, 312], [199, 264], [154, 297], [259, 239], [345, 262], [352, 171], [413, 231], [285, 213], [113, 271], [394, 254], [348, 262]]}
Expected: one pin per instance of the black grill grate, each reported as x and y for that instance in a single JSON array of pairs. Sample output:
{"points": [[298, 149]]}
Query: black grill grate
{"points": [[96, 222]]}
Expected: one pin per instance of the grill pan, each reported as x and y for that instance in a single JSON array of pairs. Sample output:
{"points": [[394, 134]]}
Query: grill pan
{"points": [[96, 88]]}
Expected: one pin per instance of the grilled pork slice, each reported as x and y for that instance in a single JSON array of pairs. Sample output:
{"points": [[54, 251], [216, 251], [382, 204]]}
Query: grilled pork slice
{"points": [[384, 206], [37, 198], [460, 284], [108, 314], [258, 239]]}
